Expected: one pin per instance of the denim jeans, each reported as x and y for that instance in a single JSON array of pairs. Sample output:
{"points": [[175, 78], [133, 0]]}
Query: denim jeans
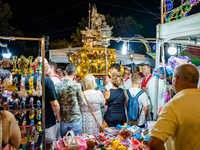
{"points": [[75, 126]]}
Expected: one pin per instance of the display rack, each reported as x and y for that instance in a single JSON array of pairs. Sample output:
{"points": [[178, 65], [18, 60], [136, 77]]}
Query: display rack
{"points": [[42, 47]]}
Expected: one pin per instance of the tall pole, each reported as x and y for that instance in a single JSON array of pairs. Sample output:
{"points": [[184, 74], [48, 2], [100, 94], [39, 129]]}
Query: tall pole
{"points": [[43, 90], [162, 17], [89, 15], [106, 60]]}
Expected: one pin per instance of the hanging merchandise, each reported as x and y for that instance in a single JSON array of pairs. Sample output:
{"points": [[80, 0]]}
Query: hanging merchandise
{"points": [[14, 70], [31, 86], [30, 72], [159, 72], [22, 93], [22, 65], [176, 61], [38, 91]]}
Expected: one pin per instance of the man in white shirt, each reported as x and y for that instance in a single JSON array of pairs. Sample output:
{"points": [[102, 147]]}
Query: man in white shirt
{"points": [[127, 79], [52, 73], [148, 84], [143, 101]]}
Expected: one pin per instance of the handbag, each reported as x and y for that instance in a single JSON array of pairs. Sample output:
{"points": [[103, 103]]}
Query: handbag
{"points": [[101, 129]]}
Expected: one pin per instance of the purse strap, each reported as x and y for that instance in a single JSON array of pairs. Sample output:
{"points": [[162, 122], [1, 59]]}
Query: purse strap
{"points": [[91, 109]]}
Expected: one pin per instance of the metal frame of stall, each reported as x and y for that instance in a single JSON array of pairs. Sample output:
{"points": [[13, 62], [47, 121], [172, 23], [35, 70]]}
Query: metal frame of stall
{"points": [[42, 41], [180, 34]]}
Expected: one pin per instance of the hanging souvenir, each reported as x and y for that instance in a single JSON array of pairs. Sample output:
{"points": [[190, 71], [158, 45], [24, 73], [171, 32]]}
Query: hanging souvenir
{"points": [[22, 93], [22, 65], [14, 70], [5, 63], [30, 65], [38, 91], [39, 128], [31, 117], [31, 86], [38, 115]]}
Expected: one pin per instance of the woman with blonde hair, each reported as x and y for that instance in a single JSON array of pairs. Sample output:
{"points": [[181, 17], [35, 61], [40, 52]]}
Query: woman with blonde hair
{"points": [[116, 101], [91, 106]]}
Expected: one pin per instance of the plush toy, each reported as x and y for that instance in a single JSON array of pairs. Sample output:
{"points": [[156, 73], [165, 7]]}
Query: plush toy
{"points": [[91, 144], [121, 147], [126, 135]]}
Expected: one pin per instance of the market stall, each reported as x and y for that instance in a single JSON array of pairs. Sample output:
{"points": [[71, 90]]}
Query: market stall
{"points": [[26, 102]]}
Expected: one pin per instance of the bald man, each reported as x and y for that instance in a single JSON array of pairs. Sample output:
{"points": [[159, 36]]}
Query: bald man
{"points": [[179, 122]]}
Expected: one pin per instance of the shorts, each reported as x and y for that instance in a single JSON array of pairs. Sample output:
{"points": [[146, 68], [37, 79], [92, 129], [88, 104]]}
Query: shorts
{"points": [[50, 134]]}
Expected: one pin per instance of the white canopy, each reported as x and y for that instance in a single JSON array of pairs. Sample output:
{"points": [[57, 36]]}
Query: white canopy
{"points": [[60, 56], [184, 31]]}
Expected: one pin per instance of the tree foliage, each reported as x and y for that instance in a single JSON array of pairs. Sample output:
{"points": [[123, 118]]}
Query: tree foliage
{"points": [[59, 44], [5, 15], [122, 26]]}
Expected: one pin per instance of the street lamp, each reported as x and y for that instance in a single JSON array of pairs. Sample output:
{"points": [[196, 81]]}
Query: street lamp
{"points": [[131, 55], [172, 49]]}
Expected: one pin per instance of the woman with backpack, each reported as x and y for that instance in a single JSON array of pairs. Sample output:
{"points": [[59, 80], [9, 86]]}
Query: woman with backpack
{"points": [[116, 101]]}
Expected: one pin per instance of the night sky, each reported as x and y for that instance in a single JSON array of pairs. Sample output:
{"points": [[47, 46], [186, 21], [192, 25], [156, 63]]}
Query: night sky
{"points": [[58, 19]]}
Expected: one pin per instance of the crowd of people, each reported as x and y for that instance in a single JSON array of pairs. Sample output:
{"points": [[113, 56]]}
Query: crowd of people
{"points": [[71, 106]]}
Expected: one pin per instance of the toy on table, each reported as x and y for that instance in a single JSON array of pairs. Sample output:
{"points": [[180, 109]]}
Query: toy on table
{"points": [[125, 126], [91, 144], [126, 135], [38, 91], [22, 93], [135, 144], [111, 131], [115, 143], [121, 147], [134, 129], [138, 137], [146, 140], [31, 86]]}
